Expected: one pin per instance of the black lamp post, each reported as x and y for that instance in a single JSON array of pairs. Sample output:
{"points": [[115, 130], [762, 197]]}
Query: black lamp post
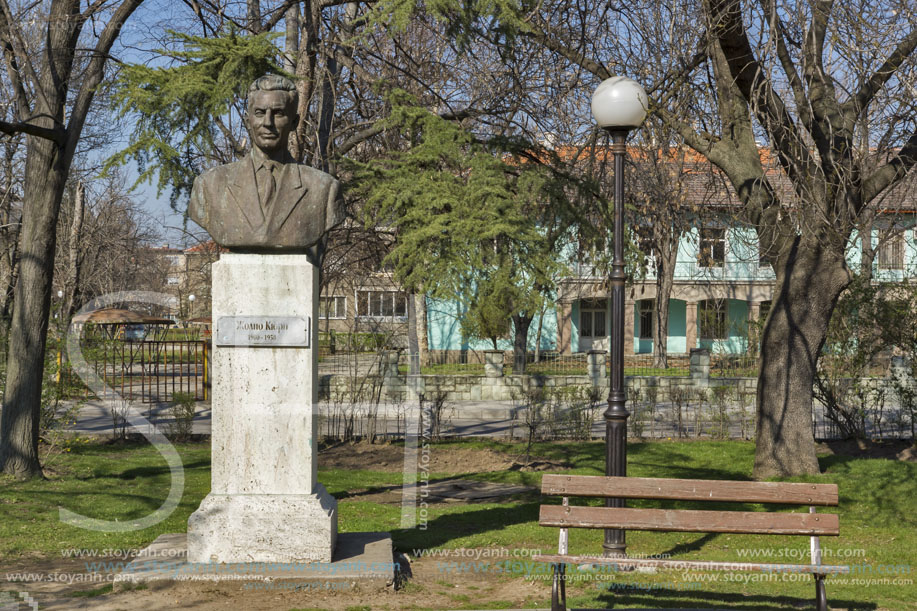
{"points": [[619, 106]]}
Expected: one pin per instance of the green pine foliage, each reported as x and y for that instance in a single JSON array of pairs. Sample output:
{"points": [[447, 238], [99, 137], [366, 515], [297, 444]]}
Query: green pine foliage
{"points": [[502, 19], [469, 217], [494, 297], [177, 106]]}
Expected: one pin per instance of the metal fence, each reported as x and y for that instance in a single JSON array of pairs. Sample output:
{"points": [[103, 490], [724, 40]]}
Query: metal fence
{"points": [[545, 363], [146, 371]]}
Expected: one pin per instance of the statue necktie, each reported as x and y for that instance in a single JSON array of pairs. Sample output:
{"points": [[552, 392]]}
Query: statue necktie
{"points": [[268, 185]]}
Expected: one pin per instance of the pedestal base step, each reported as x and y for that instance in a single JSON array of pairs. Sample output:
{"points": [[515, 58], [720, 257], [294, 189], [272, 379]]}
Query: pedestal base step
{"points": [[233, 528], [357, 557]]}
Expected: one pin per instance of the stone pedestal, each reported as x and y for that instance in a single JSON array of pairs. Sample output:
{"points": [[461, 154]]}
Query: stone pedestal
{"points": [[493, 363], [265, 503], [595, 363], [700, 367], [388, 364]]}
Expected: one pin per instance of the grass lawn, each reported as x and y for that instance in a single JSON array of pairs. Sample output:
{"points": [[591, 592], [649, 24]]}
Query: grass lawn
{"points": [[878, 515]]}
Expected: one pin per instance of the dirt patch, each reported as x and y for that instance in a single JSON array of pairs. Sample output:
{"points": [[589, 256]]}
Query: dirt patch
{"points": [[68, 583], [388, 457], [864, 448], [446, 491], [428, 588]]}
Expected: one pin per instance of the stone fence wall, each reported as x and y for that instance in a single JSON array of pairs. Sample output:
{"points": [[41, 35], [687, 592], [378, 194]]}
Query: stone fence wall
{"points": [[386, 384], [389, 385]]}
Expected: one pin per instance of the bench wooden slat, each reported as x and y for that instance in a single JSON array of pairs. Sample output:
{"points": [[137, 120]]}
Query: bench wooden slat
{"points": [[688, 520], [690, 489], [695, 565]]}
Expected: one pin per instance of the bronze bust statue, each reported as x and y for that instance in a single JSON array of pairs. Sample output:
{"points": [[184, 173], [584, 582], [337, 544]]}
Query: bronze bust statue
{"points": [[266, 202]]}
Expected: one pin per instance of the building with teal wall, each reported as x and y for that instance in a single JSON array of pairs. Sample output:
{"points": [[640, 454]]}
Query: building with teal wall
{"points": [[444, 330], [721, 290]]}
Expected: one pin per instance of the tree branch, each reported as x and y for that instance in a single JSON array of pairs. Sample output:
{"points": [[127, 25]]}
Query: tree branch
{"points": [[12, 68], [676, 76], [95, 71], [278, 14], [54, 134], [753, 84], [378, 128], [699, 142], [892, 172], [16, 45], [572, 55], [871, 86], [92, 9], [786, 62]]}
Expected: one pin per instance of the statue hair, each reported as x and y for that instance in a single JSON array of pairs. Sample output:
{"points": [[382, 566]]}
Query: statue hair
{"points": [[275, 82]]}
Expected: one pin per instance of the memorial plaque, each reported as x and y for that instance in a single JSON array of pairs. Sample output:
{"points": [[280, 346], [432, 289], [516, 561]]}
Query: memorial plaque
{"points": [[270, 331]]}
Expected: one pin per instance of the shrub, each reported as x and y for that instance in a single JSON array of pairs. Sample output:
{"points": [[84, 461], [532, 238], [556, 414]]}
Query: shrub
{"points": [[182, 412]]}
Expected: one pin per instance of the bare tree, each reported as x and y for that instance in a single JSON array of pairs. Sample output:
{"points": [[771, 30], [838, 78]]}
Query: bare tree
{"points": [[102, 241], [52, 103], [673, 189], [829, 88]]}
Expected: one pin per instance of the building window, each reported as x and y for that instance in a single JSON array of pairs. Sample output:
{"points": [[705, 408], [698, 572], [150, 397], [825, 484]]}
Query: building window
{"points": [[711, 316], [173, 281], [644, 239], [592, 318], [891, 253], [382, 304], [646, 318], [332, 307], [712, 251]]}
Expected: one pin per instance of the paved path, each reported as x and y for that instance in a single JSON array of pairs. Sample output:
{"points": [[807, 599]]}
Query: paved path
{"points": [[463, 419], [473, 418]]}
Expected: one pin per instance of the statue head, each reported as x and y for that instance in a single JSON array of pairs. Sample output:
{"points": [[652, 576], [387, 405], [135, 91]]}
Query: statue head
{"points": [[272, 113]]}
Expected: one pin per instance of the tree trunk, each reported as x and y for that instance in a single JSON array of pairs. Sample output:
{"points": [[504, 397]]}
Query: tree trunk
{"points": [[520, 342], [867, 252], [9, 235], [420, 309], [413, 343], [809, 282], [254, 16], [291, 40], [72, 281], [47, 167], [538, 334], [665, 277], [45, 177]]}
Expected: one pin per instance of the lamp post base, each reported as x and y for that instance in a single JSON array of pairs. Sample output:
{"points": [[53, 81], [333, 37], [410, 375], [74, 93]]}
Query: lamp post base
{"points": [[615, 465]]}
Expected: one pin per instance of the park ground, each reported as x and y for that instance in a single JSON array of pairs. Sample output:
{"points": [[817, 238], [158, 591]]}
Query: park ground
{"points": [[482, 534]]}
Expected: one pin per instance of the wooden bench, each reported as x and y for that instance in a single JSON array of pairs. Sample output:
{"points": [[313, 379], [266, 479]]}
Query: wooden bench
{"points": [[688, 520]]}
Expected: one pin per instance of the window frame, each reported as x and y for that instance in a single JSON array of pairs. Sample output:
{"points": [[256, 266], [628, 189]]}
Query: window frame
{"points": [[643, 314], [590, 308], [386, 300], [720, 319], [339, 315], [894, 245], [708, 245]]}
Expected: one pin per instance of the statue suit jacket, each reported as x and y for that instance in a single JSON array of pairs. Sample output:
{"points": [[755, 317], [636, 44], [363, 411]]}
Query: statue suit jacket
{"points": [[224, 201]]}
